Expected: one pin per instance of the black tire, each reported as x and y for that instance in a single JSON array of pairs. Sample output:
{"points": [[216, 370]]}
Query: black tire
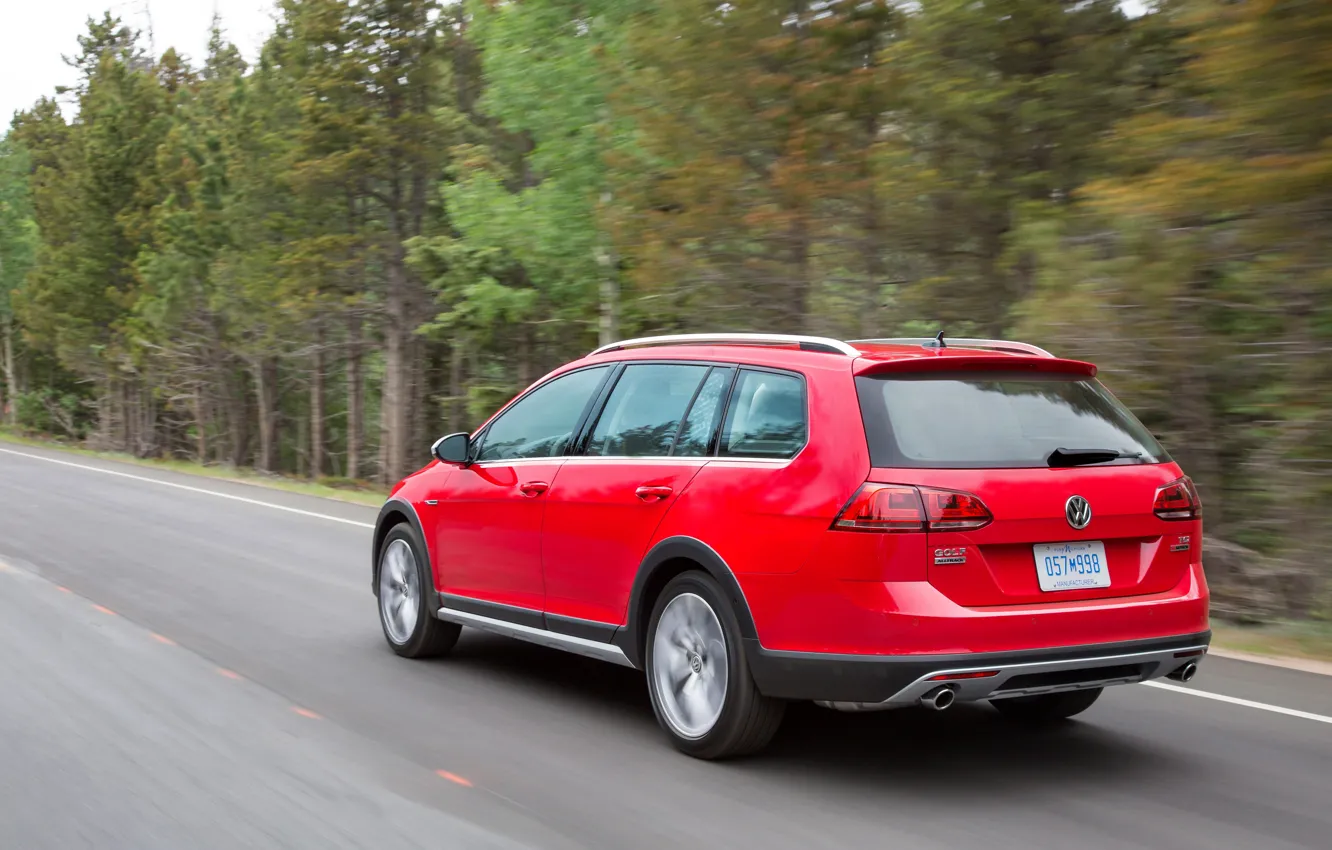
{"points": [[747, 720], [429, 637], [1047, 708]]}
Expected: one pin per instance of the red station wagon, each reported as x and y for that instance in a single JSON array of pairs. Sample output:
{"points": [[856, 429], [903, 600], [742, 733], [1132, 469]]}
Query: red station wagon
{"points": [[752, 519]]}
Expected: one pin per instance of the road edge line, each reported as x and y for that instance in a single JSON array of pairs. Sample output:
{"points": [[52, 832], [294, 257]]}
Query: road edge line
{"points": [[1247, 703], [188, 488], [257, 481]]}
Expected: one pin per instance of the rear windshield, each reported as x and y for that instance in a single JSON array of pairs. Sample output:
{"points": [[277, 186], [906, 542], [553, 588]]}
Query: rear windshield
{"points": [[994, 419]]}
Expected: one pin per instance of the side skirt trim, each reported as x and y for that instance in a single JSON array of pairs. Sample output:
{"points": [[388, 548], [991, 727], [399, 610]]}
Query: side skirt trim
{"points": [[579, 646]]}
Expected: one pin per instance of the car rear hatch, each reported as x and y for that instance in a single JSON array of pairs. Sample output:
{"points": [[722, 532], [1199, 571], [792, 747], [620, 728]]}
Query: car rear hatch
{"points": [[1037, 485]]}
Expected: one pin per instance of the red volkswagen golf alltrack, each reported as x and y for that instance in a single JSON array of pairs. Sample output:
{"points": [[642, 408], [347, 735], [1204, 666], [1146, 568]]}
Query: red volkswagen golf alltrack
{"points": [[752, 519]]}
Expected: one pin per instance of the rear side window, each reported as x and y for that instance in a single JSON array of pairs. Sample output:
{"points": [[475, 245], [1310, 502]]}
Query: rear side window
{"points": [[643, 413], [996, 419], [541, 423], [701, 423], [766, 416]]}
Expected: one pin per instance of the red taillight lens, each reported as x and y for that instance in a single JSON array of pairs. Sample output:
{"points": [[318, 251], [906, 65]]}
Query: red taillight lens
{"points": [[883, 507], [896, 507], [1178, 500], [949, 511]]}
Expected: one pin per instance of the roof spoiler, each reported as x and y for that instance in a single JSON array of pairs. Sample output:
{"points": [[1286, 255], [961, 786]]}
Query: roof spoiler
{"points": [[977, 363]]}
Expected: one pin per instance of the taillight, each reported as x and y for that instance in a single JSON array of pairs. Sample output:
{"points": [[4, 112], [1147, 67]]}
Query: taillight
{"points": [[883, 507], [949, 511], [1178, 500], [895, 507]]}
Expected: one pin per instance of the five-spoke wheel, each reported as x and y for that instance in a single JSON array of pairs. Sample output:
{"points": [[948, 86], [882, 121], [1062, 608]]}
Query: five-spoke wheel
{"points": [[402, 587], [698, 675]]}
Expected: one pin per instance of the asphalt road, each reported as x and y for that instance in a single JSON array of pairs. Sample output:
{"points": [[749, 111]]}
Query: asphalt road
{"points": [[195, 663]]}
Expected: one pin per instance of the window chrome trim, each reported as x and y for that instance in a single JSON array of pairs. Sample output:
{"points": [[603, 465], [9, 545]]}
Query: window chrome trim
{"points": [[649, 459]]}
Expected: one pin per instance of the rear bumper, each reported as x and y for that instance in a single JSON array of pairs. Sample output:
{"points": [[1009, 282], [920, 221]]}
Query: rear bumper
{"points": [[864, 682]]}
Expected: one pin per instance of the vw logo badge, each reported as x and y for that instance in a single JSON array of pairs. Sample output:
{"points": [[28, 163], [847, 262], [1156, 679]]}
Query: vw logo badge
{"points": [[1078, 512]]}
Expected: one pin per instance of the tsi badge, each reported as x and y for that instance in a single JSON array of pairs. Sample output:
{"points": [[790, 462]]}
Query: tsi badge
{"points": [[1183, 544], [950, 556]]}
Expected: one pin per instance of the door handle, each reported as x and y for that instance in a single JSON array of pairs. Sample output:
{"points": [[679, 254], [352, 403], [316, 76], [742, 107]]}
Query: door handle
{"points": [[533, 488], [653, 494]]}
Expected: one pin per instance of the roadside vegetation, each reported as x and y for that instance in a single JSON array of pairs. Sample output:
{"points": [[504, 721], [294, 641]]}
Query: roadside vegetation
{"points": [[402, 212], [358, 492]]}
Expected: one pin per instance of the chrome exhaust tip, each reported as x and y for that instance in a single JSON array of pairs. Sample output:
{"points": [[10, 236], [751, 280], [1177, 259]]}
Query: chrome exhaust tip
{"points": [[1185, 673], [939, 698]]}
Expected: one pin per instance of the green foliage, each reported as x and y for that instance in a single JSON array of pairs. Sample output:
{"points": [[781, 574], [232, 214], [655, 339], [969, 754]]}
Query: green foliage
{"points": [[18, 228], [50, 411], [407, 210], [1198, 270]]}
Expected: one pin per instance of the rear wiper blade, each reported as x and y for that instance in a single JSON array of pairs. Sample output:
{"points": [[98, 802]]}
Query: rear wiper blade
{"points": [[1085, 457]]}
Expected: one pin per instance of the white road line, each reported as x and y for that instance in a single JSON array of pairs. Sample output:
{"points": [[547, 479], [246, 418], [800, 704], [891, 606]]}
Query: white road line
{"points": [[1262, 706], [1247, 703], [190, 489]]}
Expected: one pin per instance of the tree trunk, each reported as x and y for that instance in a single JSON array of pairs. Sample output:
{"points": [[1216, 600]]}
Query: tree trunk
{"points": [[457, 392], [795, 312], [394, 412], [355, 397], [317, 405], [238, 414], [200, 425], [872, 242], [418, 391], [121, 407], [266, 378], [9, 405], [608, 324]]}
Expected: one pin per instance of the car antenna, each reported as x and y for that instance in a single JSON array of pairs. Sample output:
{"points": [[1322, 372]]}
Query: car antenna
{"points": [[937, 342]]}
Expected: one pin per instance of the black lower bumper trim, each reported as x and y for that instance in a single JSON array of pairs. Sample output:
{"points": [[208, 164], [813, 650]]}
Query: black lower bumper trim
{"points": [[875, 678]]}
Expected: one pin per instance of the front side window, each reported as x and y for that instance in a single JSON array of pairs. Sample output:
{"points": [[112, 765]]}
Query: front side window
{"points": [[644, 410], [766, 417], [542, 423]]}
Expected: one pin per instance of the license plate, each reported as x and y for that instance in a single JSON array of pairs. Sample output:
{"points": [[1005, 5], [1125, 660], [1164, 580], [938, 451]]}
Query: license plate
{"points": [[1071, 566]]}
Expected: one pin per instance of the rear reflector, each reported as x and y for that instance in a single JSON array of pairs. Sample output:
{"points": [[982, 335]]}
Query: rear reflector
{"points": [[954, 677], [1190, 654], [900, 508], [1178, 500]]}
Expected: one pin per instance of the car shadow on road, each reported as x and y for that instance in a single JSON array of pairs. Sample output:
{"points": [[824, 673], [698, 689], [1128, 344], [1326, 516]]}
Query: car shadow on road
{"points": [[967, 748]]}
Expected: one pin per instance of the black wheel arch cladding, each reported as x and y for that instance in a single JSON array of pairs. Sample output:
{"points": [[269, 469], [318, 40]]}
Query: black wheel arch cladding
{"points": [[394, 512], [667, 559]]}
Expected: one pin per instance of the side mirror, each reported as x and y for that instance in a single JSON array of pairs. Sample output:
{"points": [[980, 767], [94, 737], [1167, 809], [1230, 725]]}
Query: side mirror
{"points": [[455, 448]]}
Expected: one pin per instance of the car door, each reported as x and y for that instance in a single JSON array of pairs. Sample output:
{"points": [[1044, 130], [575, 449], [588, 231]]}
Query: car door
{"points": [[487, 525], [608, 501]]}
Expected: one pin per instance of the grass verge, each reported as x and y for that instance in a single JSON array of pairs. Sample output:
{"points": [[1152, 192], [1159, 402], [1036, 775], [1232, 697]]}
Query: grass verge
{"points": [[1307, 640], [354, 492]]}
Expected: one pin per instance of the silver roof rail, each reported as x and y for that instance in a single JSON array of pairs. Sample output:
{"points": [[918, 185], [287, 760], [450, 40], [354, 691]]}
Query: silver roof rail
{"points": [[809, 343], [987, 344]]}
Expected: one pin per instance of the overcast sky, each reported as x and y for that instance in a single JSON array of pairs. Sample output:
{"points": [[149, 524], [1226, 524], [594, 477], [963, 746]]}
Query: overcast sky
{"points": [[36, 33]]}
